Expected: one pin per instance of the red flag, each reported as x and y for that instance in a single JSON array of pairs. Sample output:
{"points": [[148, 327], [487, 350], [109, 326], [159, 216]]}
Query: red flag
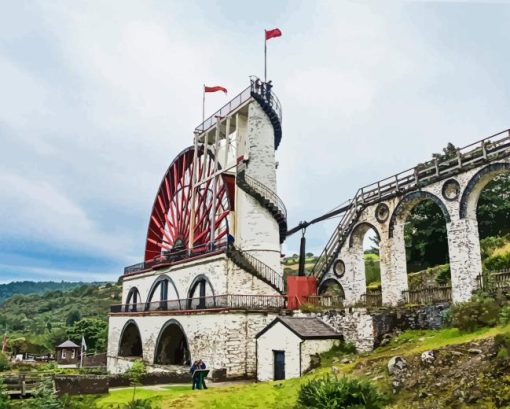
{"points": [[275, 32], [215, 89]]}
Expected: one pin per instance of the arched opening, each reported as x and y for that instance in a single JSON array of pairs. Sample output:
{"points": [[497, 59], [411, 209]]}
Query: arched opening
{"points": [[331, 288], [423, 218], [172, 345], [130, 344], [200, 294], [163, 295], [133, 299], [486, 200], [364, 248]]}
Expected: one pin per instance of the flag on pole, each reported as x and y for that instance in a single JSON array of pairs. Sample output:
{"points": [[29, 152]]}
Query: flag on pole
{"points": [[214, 89], [275, 32], [83, 344], [268, 34]]}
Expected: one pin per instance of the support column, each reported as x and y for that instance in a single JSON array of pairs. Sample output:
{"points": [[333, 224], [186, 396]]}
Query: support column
{"points": [[465, 257], [354, 280], [392, 253]]}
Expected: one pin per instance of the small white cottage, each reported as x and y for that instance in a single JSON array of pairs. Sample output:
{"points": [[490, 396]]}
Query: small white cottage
{"points": [[286, 345]]}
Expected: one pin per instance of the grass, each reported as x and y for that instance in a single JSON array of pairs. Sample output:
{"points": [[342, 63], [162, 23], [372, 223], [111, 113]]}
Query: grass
{"points": [[283, 394]]}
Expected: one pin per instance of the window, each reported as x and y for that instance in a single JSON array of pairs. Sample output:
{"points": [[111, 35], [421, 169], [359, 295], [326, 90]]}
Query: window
{"points": [[63, 354], [73, 355]]}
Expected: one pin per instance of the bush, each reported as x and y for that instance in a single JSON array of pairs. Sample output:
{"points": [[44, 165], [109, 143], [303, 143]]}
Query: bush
{"points": [[4, 362], [309, 307], [139, 404], [332, 392], [504, 315], [479, 312], [497, 262]]}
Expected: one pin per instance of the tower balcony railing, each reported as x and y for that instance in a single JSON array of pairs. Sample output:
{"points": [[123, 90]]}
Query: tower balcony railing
{"points": [[178, 256], [214, 302], [256, 86]]}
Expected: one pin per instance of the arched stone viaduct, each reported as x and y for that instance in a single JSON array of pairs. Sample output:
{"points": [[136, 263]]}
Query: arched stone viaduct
{"points": [[454, 182]]}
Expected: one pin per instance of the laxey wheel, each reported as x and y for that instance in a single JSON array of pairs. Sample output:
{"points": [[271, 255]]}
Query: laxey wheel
{"points": [[170, 221]]}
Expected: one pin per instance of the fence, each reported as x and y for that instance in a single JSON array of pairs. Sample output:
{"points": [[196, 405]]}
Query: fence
{"points": [[372, 298], [230, 301], [494, 280], [428, 295], [326, 301]]}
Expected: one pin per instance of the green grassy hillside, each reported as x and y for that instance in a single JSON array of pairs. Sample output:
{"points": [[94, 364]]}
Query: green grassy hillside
{"points": [[37, 322]]}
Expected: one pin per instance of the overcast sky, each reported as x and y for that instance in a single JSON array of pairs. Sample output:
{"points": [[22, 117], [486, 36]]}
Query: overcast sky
{"points": [[98, 97]]}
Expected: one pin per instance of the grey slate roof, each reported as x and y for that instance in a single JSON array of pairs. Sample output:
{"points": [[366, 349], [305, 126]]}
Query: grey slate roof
{"points": [[305, 328], [68, 344]]}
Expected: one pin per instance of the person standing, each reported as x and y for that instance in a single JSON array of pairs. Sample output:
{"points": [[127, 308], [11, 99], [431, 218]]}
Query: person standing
{"points": [[201, 365], [194, 376]]}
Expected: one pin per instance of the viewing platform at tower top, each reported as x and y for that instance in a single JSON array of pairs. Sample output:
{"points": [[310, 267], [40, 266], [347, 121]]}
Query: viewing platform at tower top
{"points": [[257, 90]]}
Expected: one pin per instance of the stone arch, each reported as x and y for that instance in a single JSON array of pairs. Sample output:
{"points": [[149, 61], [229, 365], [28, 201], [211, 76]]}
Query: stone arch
{"points": [[133, 296], [164, 281], [471, 194], [359, 231], [329, 282], [172, 346], [200, 301], [130, 341], [409, 201]]}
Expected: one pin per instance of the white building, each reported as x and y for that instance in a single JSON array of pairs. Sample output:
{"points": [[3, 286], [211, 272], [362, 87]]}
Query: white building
{"points": [[286, 346], [211, 278]]}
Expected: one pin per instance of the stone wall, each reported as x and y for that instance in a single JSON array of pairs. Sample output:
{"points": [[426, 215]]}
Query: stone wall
{"points": [[81, 384], [223, 340]]}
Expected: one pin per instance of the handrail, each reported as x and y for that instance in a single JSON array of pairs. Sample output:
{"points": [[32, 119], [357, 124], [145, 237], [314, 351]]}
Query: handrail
{"points": [[421, 175], [230, 301], [261, 189], [256, 86], [178, 256], [263, 270]]}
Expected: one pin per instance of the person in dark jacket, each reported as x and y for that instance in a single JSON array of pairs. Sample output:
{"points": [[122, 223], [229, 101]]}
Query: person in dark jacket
{"points": [[194, 377], [201, 365]]}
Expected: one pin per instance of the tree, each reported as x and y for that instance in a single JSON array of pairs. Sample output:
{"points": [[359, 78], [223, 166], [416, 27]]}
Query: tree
{"points": [[135, 374], [73, 317], [493, 212], [94, 330]]}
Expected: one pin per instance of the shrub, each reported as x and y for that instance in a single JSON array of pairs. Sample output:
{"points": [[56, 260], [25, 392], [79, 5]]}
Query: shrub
{"points": [[309, 307], [332, 392], [139, 404], [4, 362], [4, 398], [497, 262], [479, 312], [504, 315]]}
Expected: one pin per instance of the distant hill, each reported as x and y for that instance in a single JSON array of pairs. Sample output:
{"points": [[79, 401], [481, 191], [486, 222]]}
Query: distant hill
{"points": [[34, 287], [44, 319]]}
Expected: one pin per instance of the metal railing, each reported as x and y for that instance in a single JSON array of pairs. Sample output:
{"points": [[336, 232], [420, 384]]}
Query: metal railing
{"points": [[260, 269], [229, 301], [428, 295], [177, 257], [256, 86], [326, 301], [493, 147], [261, 189]]}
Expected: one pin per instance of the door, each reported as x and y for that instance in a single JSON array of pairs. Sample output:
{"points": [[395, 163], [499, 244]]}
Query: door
{"points": [[279, 365]]}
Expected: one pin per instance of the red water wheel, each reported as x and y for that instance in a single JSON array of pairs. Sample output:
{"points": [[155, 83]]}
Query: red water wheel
{"points": [[173, 209]]}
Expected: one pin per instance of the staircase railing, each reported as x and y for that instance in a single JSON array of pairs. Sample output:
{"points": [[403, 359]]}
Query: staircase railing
{"points": [[258, 268], [493, 147], [261, 189]]}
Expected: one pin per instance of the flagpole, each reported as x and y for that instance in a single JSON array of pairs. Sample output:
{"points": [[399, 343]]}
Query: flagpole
{"points": [[203, 108], [265, 57]]}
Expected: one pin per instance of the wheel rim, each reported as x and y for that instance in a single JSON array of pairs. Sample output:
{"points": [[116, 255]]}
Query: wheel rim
{"points": [[173, 209]]}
